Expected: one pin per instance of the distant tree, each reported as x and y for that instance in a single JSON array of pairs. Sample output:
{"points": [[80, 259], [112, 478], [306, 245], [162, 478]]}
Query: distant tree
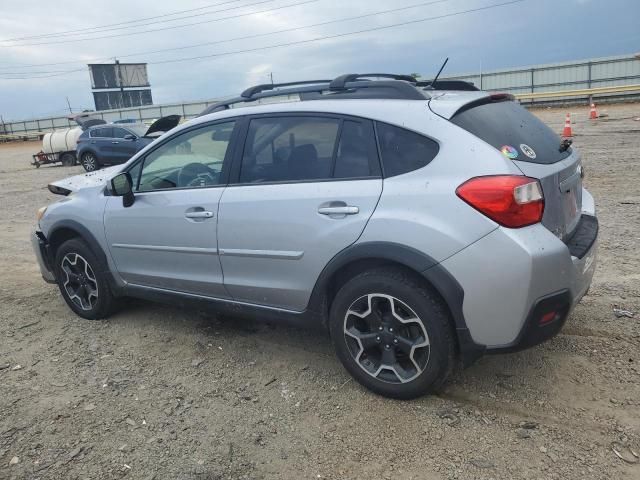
{"points": [[415, 75]]}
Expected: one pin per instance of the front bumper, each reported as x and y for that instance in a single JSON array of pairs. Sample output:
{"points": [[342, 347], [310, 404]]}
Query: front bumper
{"points": [[513, 277], [40, 248]]}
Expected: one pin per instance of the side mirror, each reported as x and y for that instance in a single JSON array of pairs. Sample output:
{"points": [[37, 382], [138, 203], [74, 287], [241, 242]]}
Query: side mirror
{"points": [[129, 137], [122, 186]]}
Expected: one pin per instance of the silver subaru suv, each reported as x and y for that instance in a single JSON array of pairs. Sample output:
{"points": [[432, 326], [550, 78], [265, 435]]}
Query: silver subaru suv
{"points": [[422, 224]]}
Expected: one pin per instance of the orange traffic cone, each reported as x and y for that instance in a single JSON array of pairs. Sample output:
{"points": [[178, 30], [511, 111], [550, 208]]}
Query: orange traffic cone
{"points": [[593, 114], [566, 132]]}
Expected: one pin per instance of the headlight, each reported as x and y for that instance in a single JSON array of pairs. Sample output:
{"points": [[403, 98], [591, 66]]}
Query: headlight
{"points": [[40, 213]]}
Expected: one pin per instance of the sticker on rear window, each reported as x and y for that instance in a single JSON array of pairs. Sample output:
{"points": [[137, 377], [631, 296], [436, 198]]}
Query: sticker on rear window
{"points": [[527, 150], [509, 152]]}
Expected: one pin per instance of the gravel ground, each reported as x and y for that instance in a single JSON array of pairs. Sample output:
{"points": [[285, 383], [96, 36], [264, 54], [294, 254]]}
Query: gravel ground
{"points": [[157, 392]]}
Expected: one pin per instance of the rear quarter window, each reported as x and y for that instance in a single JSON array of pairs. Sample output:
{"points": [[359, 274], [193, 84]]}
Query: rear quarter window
{"points": [[403, 151], [509, 124]]}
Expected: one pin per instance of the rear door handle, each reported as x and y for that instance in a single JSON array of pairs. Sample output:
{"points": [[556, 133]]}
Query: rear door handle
{"points": [[115, 142], [345, 210], [199, 214]]}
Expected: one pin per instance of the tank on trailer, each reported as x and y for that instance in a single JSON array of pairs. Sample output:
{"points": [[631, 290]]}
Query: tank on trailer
{"points": [[60, 145]]}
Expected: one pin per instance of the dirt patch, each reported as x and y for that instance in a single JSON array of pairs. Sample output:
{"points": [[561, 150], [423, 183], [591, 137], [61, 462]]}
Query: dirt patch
{"points": [[156, 392]]}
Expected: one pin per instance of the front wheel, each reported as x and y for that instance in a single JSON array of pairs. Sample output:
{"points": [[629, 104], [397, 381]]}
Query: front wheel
{"points": [[82, 280], [89, 161], [392, 333]]}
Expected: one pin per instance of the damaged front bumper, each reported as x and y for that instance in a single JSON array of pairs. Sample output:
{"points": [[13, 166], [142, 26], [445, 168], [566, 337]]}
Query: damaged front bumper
{"points": [[39, 244]]}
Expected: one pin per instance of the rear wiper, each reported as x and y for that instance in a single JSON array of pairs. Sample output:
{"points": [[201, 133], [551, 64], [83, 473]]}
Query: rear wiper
{"points": [[565, 144]]}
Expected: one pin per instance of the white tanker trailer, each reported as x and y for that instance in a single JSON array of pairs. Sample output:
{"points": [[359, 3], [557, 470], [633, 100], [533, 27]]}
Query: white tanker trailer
{"points": [[60, 145]]}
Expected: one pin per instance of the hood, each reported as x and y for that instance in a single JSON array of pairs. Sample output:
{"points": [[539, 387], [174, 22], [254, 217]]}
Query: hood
{"points": [[86, 180], [163, 124], [447, 103], [85, 120]]}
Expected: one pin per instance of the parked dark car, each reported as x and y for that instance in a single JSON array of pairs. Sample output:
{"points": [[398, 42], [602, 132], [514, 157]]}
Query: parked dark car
{"points": [[109, 144]]}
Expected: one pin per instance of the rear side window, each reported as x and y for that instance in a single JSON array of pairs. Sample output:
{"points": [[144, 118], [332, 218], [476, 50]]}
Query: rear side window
{"points": [[356, 156], [104, 132], [288, 149], [508, 125], [403, 151]]}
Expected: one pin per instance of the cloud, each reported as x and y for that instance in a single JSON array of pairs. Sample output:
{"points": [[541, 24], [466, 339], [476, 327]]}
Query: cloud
{"points": [[535, 31]]}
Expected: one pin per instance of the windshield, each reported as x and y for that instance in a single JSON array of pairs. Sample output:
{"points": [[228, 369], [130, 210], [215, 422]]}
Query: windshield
{"points": [[139, 130]]}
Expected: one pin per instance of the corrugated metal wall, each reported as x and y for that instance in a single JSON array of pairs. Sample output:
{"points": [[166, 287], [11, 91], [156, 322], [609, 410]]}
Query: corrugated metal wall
{"points": [[556, 77]]}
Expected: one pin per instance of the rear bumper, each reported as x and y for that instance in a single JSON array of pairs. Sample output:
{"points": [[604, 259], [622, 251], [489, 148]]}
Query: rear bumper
{"points": [[512, 278], [40, 249]]}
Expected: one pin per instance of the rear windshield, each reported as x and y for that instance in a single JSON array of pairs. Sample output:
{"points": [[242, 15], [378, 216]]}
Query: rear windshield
{"points": [[510, 128]]}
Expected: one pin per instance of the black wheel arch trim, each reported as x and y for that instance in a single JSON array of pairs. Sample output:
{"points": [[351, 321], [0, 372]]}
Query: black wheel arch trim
{"points": [[84, 233], [422, 264]]}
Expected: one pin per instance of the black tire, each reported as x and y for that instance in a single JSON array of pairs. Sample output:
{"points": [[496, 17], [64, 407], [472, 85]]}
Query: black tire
{"points": [[68, 159], [407, 291], [89, 161], [69, 260]]}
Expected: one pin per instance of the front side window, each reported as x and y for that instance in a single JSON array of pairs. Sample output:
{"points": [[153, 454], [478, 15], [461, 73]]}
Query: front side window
{"points": [[120, 132], [189, 160], [288, 149]]}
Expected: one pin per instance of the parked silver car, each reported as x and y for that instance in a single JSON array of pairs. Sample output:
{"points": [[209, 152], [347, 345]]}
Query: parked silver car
{"points": [[418, 225]]}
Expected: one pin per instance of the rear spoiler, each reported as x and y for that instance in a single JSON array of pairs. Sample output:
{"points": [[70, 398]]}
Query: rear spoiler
{"points": [[493, 98]]}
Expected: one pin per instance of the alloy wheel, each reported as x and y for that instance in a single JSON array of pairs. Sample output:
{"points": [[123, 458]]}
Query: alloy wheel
{"points": [[80, 283], [89, 162], [386, 338]]}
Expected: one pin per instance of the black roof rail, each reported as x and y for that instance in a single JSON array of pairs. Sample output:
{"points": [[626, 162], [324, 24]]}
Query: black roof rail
{"points": [[251, 91], [448, 85], [400, 87], [340, 82]]}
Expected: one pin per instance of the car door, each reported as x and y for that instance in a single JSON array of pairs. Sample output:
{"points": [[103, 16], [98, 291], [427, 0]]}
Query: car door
{"points": [[168, 238], [303, 189], [123, 148], [100, 143]]}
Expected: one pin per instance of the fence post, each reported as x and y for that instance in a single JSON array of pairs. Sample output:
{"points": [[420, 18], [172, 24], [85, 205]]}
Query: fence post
{"points": [[532, 84], [589, 81]]}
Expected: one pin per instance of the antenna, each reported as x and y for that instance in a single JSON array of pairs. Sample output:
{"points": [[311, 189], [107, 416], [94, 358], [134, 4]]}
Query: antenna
{"points": [[433, 82]]}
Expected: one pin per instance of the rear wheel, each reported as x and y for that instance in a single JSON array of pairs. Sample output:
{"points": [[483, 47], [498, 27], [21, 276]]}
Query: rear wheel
{"points": [[68, 159], [392, 333], [89, 161], [82, 280]]}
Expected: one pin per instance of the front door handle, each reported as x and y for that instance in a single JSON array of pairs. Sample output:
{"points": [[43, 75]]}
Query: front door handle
{"points": [[199, 214], [115, 142], [342, 210]]}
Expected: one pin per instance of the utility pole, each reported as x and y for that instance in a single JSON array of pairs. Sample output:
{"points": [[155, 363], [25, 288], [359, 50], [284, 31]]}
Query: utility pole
{"points": [[69, 105], [120, 82], [271, 76]]}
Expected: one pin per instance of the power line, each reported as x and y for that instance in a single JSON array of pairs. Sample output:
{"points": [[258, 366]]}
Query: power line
{"points": [[170, 27], [246, 37], [119, 23], [322, 38], [340, 35], [104, 30]]}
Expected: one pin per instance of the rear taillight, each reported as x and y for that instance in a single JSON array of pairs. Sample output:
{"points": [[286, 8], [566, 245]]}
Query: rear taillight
{"points": [[511, 200]]}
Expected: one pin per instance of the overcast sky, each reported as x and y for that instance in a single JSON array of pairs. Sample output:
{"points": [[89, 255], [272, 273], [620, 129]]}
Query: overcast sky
{"points": [[524, 33]]}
